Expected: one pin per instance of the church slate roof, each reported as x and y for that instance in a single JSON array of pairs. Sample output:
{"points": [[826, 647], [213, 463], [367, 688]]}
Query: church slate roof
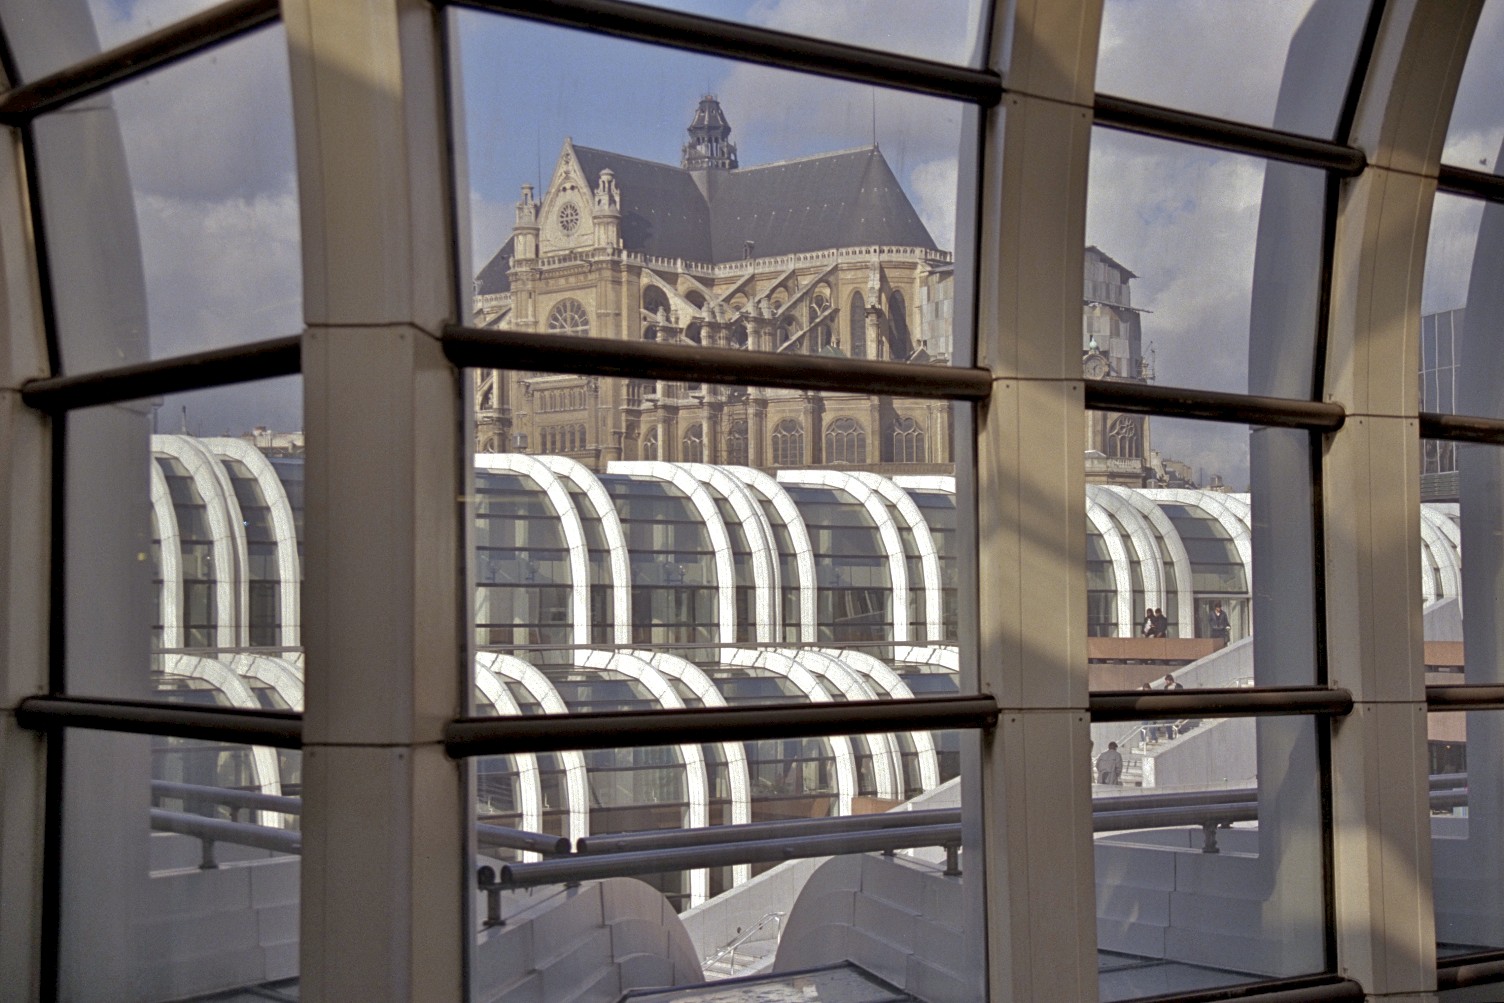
{"points": [[848, 199]]}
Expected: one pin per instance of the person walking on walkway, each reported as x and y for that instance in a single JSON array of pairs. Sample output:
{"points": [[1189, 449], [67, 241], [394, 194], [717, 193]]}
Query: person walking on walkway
{"points": [[1110, 766]]}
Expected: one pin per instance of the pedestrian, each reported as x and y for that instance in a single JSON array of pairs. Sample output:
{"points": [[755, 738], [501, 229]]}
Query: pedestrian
{"points": [[1221, 626], [1149, 623], [1110, 766], [1161, 623]]}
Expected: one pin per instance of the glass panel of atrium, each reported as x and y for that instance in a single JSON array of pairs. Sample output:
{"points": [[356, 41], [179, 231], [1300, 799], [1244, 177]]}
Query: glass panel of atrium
{"points": [[188, 545], [947, 31], [45, 38], [181, 183], [1170, 270], [1477, 125], [694, 210], [1244, 55], [196, 847]]}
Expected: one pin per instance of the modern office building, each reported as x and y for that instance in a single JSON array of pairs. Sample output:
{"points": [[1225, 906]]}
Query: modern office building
{"points": [[257, 203]]}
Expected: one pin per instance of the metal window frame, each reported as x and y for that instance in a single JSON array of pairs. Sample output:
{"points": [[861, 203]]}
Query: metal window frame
{"points": [[200, 32]]}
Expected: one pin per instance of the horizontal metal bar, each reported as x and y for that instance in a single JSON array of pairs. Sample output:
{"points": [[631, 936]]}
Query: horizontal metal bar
{"points": [[1462, 181], [187, 37], [1113, 803], [279, 729], [553, 353], [1163, 818], [227, 796], [606, 865], [492, 736], [521, 839], [750, 43], [224, 831], [1466, 970], [798, 828], [1462, 428], [1213, 405], [1464, 697], [1308, 989], [1224, 134], [1169, 705], [216, 368]]}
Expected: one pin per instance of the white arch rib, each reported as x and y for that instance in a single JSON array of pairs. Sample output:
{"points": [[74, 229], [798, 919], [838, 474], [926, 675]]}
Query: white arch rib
{"points": [[284, 678], [754, 522], [268, 776], [882, 678], [170, 554], [1439, 536], [691, 756], [781, 664], [924, 542], [284, 530], [887, 530], [616, 540], [1141, 537], [715, 527], [226, 532], [1122, 575], [1212, 504], [576, 785], [569, 520], [770, 491], [529, 784], [1185, 596], [887, 761], [735, 754]]}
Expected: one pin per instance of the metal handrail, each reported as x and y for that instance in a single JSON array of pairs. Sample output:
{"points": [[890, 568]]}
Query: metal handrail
{"points": [[228, 796], [775, 917]]}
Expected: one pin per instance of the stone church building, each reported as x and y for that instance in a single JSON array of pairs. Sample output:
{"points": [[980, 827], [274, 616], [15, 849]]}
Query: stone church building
{"points": [[821, 255]]}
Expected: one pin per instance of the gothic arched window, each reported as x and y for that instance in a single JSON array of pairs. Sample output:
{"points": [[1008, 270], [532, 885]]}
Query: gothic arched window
{"points": [[856, 327], [650, 444], [736, 443], [1122, 437], [788, 443], [569, 317], [693, 444], [845, 441], [908, 441]]}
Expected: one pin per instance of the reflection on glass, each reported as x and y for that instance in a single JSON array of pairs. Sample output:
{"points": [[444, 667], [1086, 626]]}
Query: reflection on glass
{"points": [[633, 213], [943, 30], [1242, 56], [183, 858], [725, 566], [195, 561], [1208, 853], [1171, 280], [1461, 555], [172, 210], [1477, 124], [1174, 528]]}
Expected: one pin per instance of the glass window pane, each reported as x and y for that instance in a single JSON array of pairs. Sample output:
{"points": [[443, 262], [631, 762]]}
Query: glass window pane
{"points": [[1173, 536], [180, 874], [45, 38], [1477, 124], [171, 210], [1240, 58], [1461, 554], [184, 546], [943, 30], [1211, 873], [1172, 285], [618, 578], [698, 209]]}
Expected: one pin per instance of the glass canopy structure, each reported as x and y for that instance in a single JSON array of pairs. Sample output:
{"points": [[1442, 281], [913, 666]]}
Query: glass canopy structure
{"points": [[469, 537]]}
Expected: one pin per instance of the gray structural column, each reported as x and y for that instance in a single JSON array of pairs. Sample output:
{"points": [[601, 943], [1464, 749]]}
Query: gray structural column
{"points": [[1382, 837], [1040, 894], [385, 812]]}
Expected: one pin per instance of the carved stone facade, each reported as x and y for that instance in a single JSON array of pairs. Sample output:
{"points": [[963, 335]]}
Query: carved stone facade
{"points": [[822, 256]]}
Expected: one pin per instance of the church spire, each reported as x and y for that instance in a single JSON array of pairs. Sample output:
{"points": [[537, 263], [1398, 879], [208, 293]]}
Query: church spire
{"points": [[709, 133]]}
